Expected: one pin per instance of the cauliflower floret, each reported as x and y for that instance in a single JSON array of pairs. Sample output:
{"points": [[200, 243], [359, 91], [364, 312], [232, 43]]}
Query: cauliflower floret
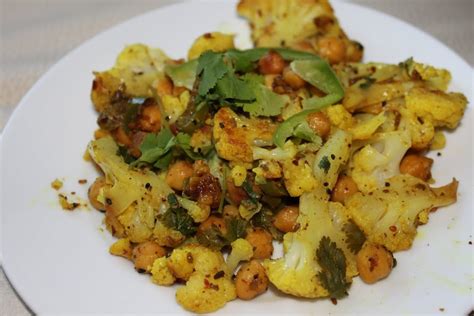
{"points": [[209, 286], [421, 131], [121, 247], [173, 106], [134, 196], [201, 140], [389, 215], [366, 125], [379, 160], [137, 67], [205, 294], [242, 250], [267, 169], [234, 135], [442, 109], [339, 116], [435, 78], [298, 272], [199, 212], [215, 41], [301, 25], [160, 273], [288, 151], [167, 237], [298, 176], [238, 175], [301, 272]]}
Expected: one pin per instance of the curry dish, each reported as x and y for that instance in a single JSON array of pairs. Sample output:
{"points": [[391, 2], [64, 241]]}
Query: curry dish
{"points": [[211, 161]]}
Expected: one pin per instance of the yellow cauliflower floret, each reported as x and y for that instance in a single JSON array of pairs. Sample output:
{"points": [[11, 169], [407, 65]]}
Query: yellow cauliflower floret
{"points": [[379, 160], [121, 247], [302, 24], [298, 177], [167, 237], [442, 109], [216, 42], [242, 250], [209, 285], [205, 294], [366, 125], [238, 175], [201, 139], [435, 78], [137, 67], [389, 215], [421, 131], [267, 169], [234, 135], [173, 106], [160, 273], [339, 116], [439, 141]]}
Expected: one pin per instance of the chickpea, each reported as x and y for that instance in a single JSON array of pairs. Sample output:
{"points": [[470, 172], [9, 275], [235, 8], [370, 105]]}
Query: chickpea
{"points": [[285, 219], [319, 123], [417, 166], [93, 193], [213, 221], [261, 241], [374, 263], [292, 79], [145, 253], [345, 187], [251, 280], [332, 48], [178, 173], [230, 211], [121, 136], [150, 118], [234, 193], [271, 64]]}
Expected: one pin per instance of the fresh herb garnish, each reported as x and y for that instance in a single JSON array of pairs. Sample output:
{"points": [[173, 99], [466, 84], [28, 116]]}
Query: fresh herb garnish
{"points": [[355, 237], [177, 218], [333, 264], [324, 164]]}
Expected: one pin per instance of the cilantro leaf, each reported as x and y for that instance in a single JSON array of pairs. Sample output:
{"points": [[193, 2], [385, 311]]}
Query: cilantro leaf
{"points": [[211, 68], [333, 264], [267, 103], [155, 146], [236, 228], [231, 87], [355, 237], [177, 218], [324, 164]]}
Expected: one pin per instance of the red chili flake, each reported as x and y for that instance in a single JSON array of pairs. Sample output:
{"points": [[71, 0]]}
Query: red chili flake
{"points": [[393, 228], [334, 300], [82, 181]]}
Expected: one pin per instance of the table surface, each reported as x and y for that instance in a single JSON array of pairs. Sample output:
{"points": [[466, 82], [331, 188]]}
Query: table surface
{"points": [[37, 33]]}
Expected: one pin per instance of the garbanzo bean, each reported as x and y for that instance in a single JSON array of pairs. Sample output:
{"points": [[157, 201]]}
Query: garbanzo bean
{"points": [[164, 87], [319, 123], [417, 166], [93, 193], [332, 48], [178, 173], [292, 79], [345, 187], [285, 219], [215, 221], [121, 137], [271, 64], [145, 253], [374, 262], [150, 118], [251, 280], [261, 241]]}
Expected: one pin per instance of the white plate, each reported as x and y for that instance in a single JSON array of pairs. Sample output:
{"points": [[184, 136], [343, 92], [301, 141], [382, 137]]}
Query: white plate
{"points": [[58, 261]]}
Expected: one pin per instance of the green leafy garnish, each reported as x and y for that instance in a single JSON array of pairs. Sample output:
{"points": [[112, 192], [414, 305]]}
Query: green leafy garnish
{"points": [[213, 237], [155, 147], [253, 196], [355, 237], [333, 264], [231, 87], [177, 218], [236, 228], [211, 68], [368, 81], [264, 219], [123, 152], [305, 132], [324, 164]]}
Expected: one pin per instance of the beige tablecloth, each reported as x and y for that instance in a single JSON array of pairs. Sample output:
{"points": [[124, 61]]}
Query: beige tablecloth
{"points": [[37, 33]]}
